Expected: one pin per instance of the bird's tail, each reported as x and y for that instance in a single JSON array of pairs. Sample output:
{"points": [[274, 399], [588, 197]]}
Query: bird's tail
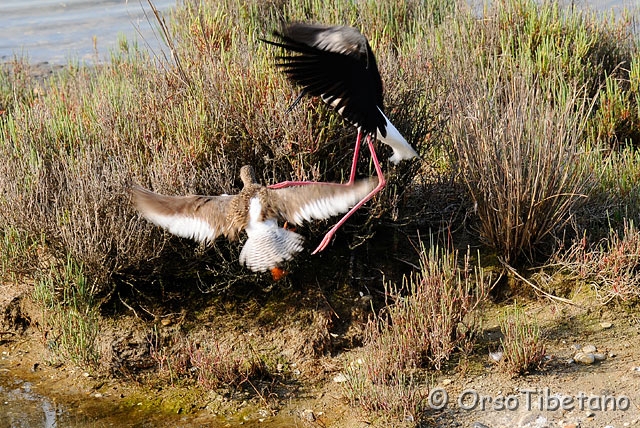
{"points": [[401, 148], [266, 248]]}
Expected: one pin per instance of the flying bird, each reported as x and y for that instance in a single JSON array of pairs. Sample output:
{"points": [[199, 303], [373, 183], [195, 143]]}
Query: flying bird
{"points": [[256, 210], [337, 64]]}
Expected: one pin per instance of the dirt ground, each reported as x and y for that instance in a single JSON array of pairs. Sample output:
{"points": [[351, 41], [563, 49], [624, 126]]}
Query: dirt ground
{"points": [[478, 394]]}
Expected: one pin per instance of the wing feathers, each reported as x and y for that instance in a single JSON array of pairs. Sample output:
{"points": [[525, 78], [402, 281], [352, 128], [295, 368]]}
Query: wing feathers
{"points": [[335, 62], [201, 218], [320, 201]]}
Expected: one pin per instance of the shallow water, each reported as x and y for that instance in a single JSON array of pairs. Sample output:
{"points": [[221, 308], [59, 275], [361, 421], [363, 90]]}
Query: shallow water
{"points": [[58, 30], [21, 407]]}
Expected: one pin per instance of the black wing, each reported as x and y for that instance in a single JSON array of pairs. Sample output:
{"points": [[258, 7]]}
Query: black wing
{"points": [[337, 64]]}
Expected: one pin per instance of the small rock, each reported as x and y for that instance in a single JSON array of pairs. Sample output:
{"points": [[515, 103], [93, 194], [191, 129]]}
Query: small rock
{"points": [[480, 425], [599, 357], [495, 356], [166, 322], [605, 325], [446, 382], [308, 415], [589, 414], [97, 395], [588, 349], [635, 369], [340, 378], [533, 420], [584, 358], [612, 355], [570, 426]]}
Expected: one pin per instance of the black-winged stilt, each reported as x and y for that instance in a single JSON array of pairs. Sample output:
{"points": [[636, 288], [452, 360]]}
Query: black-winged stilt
{"points": [[337, 64]]}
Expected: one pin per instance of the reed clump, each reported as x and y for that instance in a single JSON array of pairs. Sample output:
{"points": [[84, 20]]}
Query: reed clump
{"points": [[522, 344], [431, 316]]}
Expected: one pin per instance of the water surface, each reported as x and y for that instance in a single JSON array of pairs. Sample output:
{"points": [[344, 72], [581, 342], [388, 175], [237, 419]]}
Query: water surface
{"points": [[59, 30]]}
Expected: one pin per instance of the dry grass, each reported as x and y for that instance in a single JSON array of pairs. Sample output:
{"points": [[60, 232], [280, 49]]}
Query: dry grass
{"points": [[611, 265], [431, 316], [520, 151], [522, 346]]}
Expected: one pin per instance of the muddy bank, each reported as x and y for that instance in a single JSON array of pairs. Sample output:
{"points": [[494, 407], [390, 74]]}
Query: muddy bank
{"points": [[312, 335]]}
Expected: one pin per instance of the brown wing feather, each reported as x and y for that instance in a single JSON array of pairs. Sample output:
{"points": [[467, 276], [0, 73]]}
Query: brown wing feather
{"points": [[202, 218]]}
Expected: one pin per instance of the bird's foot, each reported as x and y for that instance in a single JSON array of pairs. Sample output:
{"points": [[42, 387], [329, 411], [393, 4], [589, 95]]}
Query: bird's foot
{"points": [[278, 273], [325, 241]]}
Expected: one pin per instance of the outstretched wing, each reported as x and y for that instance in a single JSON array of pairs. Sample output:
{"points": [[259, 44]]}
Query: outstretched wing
{"points": [[337, 64], [319, 201], [202, 218]]}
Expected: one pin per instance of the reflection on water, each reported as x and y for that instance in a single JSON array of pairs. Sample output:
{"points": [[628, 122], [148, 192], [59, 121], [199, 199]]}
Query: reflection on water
{"points": [[29, 404], [21, 407]]}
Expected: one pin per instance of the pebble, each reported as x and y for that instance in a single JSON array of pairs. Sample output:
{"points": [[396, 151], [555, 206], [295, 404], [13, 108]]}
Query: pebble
{"points": [[308, 415], [589, 414], [495, 356], [533, 420], [480, 425], [589, 349], [605, 325], [340, 378], [584, 358], [599, 357]]}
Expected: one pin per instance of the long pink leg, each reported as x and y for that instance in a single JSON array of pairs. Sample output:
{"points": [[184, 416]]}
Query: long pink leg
{"points": [[352, 174], [381, 184]]}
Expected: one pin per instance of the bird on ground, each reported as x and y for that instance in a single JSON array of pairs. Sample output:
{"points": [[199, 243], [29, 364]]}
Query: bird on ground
{"points": [[337, 64], [256, 210]]}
